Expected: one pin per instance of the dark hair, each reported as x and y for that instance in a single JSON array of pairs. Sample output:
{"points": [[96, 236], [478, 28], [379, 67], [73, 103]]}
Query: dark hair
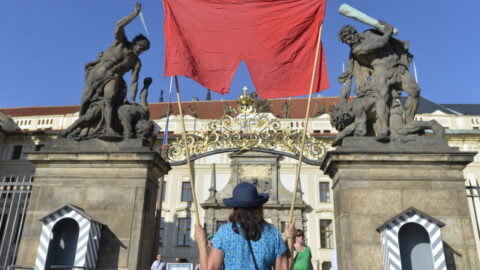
{"points": [[300, 232], [142, 40], [250, 220], [348, 34]]}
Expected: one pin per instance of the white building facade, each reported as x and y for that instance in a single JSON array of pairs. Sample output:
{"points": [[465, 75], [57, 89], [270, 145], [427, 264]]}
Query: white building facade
{"points": [[30, 129]]}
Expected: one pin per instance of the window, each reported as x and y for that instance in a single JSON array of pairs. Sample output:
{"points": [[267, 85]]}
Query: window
{"points": [[324, 192], [326, 233], [183, 232], [326, 131], [282, 226], [38, 147], [220, 223], [17, 152], [162, 232], [164, 188], [186, 192], [326, 265]]}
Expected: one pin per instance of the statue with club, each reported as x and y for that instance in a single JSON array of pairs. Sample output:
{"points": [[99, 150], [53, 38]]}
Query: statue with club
{"points": [[379, 59]]}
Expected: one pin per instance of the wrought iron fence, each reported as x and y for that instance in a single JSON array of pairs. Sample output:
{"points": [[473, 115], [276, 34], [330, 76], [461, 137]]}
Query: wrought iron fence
{"points": [[14, 196], [473, 194]]}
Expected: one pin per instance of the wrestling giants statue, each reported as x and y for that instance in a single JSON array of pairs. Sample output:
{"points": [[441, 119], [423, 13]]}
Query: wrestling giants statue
{"points": [[105, 89], [379, 64]]}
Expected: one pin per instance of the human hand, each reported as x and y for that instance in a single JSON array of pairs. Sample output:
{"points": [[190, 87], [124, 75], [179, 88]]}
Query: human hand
{"points": [[290, 231], [199, 235], [147, 81], [344, 76], [387, 28], [138, 8]]}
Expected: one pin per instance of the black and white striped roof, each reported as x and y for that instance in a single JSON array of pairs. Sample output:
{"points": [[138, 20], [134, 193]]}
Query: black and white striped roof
{"points": [[411, 210], [69, 207]]}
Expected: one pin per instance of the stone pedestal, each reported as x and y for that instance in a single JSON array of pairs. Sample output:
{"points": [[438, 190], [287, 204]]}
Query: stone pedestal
{"points": [[115, 182], [373, 182]]}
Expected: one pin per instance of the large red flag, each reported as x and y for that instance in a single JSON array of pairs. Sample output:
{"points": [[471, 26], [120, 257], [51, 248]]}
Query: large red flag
{"points": [[207, 39]]}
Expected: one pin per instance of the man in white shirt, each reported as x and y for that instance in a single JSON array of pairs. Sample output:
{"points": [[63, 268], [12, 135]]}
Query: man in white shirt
{"points": [[158, 264]]}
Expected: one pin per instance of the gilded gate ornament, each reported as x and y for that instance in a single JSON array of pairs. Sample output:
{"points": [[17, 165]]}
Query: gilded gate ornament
{"points": [[248, 130]]}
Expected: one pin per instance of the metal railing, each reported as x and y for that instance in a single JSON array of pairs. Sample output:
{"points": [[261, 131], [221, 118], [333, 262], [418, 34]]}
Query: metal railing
{"points": [[14, 196], [473, 192]]}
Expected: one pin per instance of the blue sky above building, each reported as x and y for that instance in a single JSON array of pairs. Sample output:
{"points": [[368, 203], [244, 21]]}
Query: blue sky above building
{"points": [[46, 43]]}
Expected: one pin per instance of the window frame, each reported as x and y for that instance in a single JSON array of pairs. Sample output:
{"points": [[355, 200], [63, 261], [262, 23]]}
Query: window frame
{"points": [[326, 234], [16, 155], [326, 190], [183, 233], [186, 192]]}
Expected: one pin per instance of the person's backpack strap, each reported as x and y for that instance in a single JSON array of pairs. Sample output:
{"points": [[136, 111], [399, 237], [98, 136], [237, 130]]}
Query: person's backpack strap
{"points": [[253, 255], [236, 230]]}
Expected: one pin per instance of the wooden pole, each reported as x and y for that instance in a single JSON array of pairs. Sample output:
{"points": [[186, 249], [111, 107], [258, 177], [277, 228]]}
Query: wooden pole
{"points": [[187, 154], [304, 135]]}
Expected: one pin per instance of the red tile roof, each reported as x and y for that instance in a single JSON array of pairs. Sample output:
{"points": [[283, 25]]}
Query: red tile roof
{"points": [[212, 109]]}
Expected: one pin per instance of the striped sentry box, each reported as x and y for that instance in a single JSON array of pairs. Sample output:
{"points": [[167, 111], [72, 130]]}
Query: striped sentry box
{"points": [[391, 244], [88, 237]]}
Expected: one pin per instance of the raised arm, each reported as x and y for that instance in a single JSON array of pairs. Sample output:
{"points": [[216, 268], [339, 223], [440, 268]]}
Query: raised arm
{"points": [[134, 81], [201, 239], [212, 261], [120, 29], [346, 80], [285, 262], [371, 42]]}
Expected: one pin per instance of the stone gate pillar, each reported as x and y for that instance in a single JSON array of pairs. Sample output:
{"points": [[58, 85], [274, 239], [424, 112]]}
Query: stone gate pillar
{"points": [[117, 182], [373, 182]]}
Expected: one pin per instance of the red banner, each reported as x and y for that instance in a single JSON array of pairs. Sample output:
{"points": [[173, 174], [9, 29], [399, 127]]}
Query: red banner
{"points": [[207, 39]]}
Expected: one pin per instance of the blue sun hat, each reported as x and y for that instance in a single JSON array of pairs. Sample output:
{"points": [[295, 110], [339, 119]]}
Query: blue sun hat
{"points": [[246, 195]]}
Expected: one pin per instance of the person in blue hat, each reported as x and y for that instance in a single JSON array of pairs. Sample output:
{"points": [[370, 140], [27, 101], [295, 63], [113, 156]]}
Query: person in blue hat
{"points": [[247, 241]]}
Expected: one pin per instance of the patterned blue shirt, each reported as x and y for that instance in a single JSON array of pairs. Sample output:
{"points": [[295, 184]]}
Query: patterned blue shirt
{"points": [[236, 254]]}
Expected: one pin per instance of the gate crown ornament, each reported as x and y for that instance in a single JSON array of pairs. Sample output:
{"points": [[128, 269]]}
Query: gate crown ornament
{"points": [[247, 130]]}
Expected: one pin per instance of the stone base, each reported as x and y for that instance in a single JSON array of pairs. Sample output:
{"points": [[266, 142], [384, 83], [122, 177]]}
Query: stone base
{"points": [[373, 182], [116, 183]]}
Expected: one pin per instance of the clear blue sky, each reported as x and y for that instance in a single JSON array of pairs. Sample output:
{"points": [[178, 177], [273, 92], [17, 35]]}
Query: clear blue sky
{"points": [[46, 43]]}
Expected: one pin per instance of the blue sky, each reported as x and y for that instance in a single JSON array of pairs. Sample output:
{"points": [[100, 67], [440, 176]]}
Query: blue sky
{"points": [[46, 43]]}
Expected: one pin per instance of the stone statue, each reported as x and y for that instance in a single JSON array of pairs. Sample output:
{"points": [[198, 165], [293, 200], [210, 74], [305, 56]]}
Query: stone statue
{"points": [[286, 109], [359, 118], [260, 104], [378, 59], [320, 109], [135, 118], [105, 89], [227, 110], [192, 110]]}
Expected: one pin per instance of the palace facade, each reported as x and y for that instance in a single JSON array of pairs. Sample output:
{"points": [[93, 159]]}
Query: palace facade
{"points": [[220, 160]]}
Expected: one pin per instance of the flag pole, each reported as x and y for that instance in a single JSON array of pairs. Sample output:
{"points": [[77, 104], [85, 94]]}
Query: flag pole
{"points": [[158, 207], [187, 153], [304, 134]]}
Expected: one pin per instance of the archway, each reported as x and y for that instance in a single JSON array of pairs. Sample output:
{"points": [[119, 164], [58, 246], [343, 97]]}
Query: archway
{"points": [[63, 244], [415, 248]]}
